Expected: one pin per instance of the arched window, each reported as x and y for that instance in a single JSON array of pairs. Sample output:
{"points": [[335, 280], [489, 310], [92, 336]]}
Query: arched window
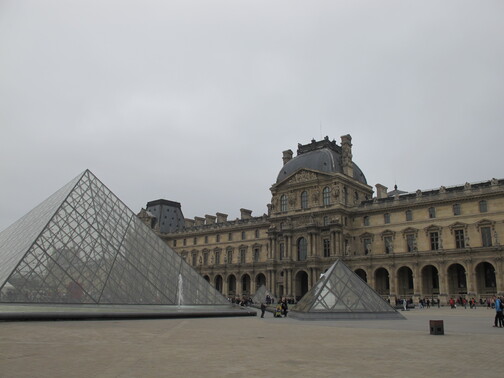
{"points": [[302, 249], [304, 200], [326, 196], [283, 203]]}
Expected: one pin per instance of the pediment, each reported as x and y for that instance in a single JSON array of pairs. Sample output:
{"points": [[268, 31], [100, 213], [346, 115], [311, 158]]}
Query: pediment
{"points": [[485, 223], [302, 176], [458, 225]]}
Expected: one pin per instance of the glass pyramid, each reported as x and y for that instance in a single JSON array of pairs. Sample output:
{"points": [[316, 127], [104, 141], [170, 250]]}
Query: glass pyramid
{"points": [[342, 292], [260, 295], [83, 245]]}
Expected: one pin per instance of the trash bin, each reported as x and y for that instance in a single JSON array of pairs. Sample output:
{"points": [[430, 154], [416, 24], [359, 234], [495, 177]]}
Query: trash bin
{"points": [[436, 327]]}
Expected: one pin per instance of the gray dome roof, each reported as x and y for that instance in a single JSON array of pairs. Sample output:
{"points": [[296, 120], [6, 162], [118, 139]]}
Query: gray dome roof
{"points": [[326, 159]]}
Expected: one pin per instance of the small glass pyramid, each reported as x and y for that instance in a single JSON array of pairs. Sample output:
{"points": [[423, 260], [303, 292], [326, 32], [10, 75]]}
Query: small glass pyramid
{"points": [[260, 295], [342, 294], [83, 245]]}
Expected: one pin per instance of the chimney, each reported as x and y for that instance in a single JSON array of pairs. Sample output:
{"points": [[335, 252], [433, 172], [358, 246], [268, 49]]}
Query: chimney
{"points": [[287, 156], [209, 219], [381, 191], [189, 222], [221, 218], [199, 221], [245, 214], [346, 158]]}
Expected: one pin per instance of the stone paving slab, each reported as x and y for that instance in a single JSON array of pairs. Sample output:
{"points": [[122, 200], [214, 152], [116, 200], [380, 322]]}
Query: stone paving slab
{"points": [[231, 347]]}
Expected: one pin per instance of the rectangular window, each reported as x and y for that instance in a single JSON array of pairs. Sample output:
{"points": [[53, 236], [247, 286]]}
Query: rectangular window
{"points": [[174, 243], [229, 257], [434, 240], [459, 239], [304, 200], [386, 218], [432, 212], [486, 236], [205, 259], [217, 238], [257, 234], [409, 215], [326, 196], [195, 241], [365, 221], [243, 256], [230, 236], [185, 242], [206, 239], [282, 251], [283, 203], [483, 208], [456, 209], [256, 255], [194, 259], [327, 248], [388, 244], [367, 246], [411, 242], [217, 258], [243, 235]]}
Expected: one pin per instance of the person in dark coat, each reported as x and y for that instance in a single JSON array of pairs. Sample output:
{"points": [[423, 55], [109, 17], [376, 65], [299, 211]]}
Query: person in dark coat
{"points": [[285, 308], [263, 309]]}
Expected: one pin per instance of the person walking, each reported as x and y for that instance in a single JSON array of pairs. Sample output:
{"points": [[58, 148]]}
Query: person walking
{"points": [[263, 309], [499, 320]]}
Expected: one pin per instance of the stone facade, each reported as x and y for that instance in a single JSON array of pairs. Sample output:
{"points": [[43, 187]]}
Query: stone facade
{"points": [[439, 243]]}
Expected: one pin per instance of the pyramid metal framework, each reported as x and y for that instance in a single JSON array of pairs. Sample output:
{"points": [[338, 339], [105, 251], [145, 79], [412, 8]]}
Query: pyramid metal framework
{"points": [[83, 245], [342, 294], [260, 295]]}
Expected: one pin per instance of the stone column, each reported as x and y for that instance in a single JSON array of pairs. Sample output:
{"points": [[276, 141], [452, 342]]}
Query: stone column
{"points": [[417, 283], [392, 282], [470, 279], [286, 282], [499, 275], [443, 283], [225, 289], [238, 287], [370, 278], [273, 285], [289, 275]]}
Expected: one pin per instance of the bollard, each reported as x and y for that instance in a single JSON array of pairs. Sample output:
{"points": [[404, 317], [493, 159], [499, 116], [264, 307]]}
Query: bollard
{"points": [[436, 327]]}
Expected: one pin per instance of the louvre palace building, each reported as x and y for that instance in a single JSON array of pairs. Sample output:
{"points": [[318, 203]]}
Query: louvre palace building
{"points": [[438, 243]]}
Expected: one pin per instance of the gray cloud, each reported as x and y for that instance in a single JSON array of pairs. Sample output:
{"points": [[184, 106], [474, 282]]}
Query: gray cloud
{"points": [[194, 101]]}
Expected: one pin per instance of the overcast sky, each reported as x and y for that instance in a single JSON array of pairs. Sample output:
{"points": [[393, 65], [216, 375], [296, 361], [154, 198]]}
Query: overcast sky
{"points": [[194, 101]]}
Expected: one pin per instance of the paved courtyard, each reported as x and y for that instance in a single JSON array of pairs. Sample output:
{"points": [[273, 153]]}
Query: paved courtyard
{"points": [[251, 346]]}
